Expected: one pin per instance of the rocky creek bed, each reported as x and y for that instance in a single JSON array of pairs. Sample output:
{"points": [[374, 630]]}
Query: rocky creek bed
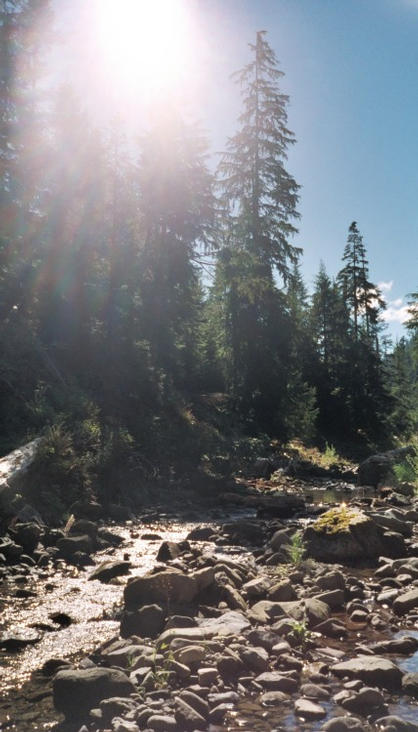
{"points": [[217, 624]]}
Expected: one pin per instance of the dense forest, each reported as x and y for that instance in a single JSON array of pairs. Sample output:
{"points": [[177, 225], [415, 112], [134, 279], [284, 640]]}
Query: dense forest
{"points": [[152, 307]]}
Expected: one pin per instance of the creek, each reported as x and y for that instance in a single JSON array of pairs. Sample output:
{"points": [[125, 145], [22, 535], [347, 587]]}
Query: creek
{"points": [[70, 616]]}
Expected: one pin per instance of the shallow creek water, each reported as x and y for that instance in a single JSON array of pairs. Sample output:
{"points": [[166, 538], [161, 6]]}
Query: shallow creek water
{"points": [[91, 605]]}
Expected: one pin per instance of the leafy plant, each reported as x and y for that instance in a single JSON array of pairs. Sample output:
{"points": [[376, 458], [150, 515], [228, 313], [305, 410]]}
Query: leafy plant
{"points": [[301, 634], [407, 470], [296, 548], [330, 456], [162, 671]]}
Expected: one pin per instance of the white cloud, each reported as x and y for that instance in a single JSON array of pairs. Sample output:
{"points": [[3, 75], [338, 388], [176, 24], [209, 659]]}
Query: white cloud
{"points": [[396, 312], [385, 286]]}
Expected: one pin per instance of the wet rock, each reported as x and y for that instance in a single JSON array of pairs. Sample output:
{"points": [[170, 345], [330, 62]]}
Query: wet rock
{"points": [[225, 697], [313, 691], [191, 654], [290, 662], [375, 470], [162, 723], [190, 635], [124, 725], [170, 550], [88, 509], [406, 602], [279, 505], [263, 637], [406, 489], [359, 616], [255, 659], [233, 599], [343, 724], [244, 531], [71, 545], [410, 684], [217, 714], [331, 581], [82, 527], [265, 611], [51, 537], [373, 670], [109, 538], [308, 710], [331, 628], [280, 538], [363, 701], [394, 520], [277, 681], [27, 535], [188, 718], [77, 691], [407, 645], [282, 591], [52, 665], [180, 621], [181, 671], [257, 588], [230, 665], [196, 702], [316, 611], [273, 698], [115, 707], [201, 533], [107, 571], [387, 596], [62, 619], [392, 723], [207, 676], [332, 598], [169, 587], [232, 622], [11, 551]]}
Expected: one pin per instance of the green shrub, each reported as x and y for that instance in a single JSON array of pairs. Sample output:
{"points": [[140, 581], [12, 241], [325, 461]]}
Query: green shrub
{"points": [[296, 549], [407, 470]]}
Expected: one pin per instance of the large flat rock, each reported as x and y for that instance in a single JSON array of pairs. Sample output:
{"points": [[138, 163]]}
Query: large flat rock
{"points": [[373, 670]]}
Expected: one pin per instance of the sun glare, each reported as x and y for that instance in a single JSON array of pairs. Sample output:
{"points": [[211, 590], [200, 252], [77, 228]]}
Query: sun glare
{"points": [[143, 43]]}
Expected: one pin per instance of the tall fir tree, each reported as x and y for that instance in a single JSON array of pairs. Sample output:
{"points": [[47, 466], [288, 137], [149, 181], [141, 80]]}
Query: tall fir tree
{"points": [[259, 197]]}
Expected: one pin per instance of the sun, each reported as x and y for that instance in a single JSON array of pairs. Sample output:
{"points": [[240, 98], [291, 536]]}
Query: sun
{"points": [[143, 43]]}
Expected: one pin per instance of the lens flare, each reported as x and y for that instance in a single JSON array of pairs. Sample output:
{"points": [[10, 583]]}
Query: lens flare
{"points": [[143, 43]]}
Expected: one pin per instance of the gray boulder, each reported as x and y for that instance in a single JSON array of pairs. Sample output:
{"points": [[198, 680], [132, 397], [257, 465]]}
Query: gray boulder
{"points": [[373, 670], [76, 691], [169, 587], [107, 571], [70, 545], [378, 469], [344, 534], [147, 622]]}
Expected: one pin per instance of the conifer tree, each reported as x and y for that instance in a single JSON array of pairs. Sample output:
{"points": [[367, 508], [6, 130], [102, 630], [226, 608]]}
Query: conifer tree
{"points": [[258, 192], [362, 297], [259, 198]]}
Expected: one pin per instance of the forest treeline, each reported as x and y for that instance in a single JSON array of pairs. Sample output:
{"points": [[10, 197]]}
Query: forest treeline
{"points": [[136, 281]]}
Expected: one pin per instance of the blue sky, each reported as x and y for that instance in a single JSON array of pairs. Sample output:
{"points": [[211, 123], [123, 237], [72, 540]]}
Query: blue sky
{"points": [[351, 70]]}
